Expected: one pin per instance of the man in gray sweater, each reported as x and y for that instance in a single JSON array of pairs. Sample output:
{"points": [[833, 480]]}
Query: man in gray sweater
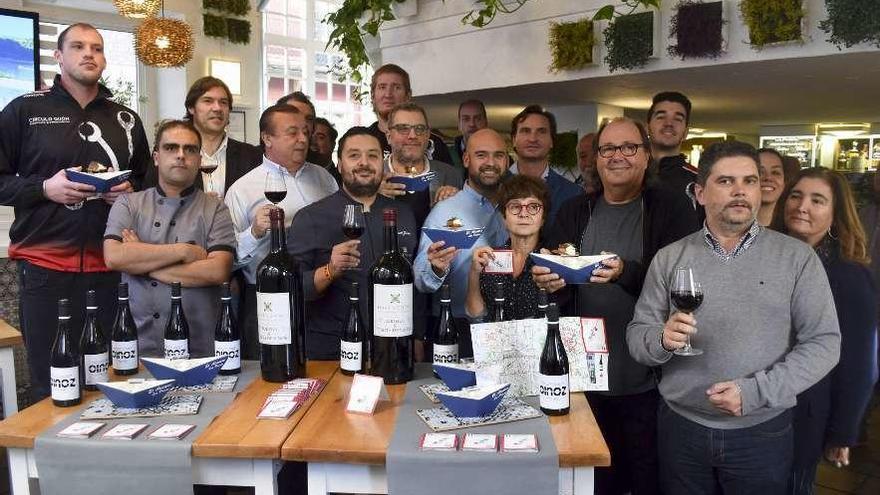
{"points": [[767, 326]]}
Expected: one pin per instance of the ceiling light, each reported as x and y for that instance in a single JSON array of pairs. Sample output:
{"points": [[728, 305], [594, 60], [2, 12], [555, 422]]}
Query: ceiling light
{"points": [[137, 9]]}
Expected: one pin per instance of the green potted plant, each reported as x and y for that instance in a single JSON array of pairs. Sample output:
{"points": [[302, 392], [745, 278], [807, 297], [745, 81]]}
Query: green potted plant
{"points": [[629, 41], [851, 22], [772, 21], [571, 44], [697, 30]]}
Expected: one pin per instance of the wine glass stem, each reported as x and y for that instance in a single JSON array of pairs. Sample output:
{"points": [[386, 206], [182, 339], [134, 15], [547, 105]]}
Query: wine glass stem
{"points": [[687, 342]]}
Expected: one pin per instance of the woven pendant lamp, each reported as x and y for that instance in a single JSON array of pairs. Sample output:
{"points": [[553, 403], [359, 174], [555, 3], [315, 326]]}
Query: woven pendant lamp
{"points": [[137, 9], [162, 42]]}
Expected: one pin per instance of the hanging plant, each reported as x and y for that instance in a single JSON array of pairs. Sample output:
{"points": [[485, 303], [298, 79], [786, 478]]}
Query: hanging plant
{"points": [[851, 22], [571, 44], [629, 41], [214, 26], [696, 28], [238, 31], [772, 21]]}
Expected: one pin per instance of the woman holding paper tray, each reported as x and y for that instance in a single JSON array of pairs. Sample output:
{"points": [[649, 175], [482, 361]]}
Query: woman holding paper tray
{"points": [[523, 202]]}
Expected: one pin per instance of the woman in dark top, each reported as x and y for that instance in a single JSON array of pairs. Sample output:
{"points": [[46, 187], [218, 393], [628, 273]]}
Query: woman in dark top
{"points": [[817, 207], [523, 202]]}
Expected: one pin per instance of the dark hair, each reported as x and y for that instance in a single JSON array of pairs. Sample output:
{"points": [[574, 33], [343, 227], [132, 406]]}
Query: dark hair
{"points": [[407, 107], [772, 152], [533, 110], [391, 69], [352, 132], [845, 223], [724, 149], [169, 124], [326, 123], [298, 96], [791, 165], [675, 97], [472, 102], [81, 25], [199, 88], [266, 117], [519, 187]]}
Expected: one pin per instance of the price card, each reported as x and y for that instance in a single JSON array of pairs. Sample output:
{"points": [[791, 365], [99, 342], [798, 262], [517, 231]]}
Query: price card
{"points": [[171, 432], [439, 441], [512, 442], [125, 431], [81, 429], [480, 442], [502, 263], [365, 393]]}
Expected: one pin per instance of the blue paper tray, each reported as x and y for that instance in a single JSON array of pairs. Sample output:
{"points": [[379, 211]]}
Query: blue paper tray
{"points": [[146, 394], [476, 407], [413, 184], [461, 238], [102, 181], [186, 372], [572, 269], [456, 377]]}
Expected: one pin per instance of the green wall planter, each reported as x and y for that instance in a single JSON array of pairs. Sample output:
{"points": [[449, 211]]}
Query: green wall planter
{"points": [[571, 44], [629, 41], [697, 30], [772, 21], [851, 22]]}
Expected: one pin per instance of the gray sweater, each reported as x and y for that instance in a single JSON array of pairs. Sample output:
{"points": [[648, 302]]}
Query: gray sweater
{"points": [[767, 322]]}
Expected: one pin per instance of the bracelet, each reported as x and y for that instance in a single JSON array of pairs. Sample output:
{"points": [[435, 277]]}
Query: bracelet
{"points": [[327, 272]]}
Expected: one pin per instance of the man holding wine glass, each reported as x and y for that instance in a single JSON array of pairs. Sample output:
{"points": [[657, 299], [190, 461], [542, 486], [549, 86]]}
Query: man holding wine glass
{"points": [[284, 133], [767, 331], [337, 239]]}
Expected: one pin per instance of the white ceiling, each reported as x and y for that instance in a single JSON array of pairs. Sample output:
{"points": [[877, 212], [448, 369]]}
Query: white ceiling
{"points": [[736, 98]]}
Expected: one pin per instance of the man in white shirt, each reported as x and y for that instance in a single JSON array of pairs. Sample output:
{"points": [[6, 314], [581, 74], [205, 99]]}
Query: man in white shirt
{"points": [[284, 133]]}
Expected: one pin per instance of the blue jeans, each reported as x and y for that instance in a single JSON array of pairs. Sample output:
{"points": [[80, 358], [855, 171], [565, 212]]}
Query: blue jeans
{"points": [[695, 459]]}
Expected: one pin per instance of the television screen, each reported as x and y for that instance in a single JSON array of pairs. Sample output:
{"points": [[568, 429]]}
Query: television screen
{"points": [[19, 54]]}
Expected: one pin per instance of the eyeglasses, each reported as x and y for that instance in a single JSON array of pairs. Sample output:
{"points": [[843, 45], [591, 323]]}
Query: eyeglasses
{"points": [[405, 128], [531, 208], [626, 149]]}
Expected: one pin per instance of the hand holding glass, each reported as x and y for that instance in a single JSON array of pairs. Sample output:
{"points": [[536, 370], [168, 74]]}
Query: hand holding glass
{"points": [[687, 295], [353, 221]]}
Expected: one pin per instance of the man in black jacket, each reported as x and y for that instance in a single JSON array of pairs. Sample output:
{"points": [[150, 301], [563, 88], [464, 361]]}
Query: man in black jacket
{"points": [[57, 236], [633, 219]]}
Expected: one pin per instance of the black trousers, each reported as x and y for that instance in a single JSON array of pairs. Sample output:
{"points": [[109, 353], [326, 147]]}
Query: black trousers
{"points": [[629, 425], [39, 291]]}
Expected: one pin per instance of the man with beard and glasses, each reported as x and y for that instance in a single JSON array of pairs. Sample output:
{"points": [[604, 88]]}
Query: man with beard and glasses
{"points": [[486, 162], [330, 263], [767, 328]]}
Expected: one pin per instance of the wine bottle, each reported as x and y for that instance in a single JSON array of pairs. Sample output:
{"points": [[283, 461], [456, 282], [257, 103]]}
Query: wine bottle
{"points": [[124, 340], [280, 309], [177, 328], [446, 341], [351, 345], [542, 304], [391, 280], [64, 362], [498, 302], [93, 346], [227, 340], [553, 369]]}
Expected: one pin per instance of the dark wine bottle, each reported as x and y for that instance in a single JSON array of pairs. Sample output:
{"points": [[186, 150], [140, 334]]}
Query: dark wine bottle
{"points": [[124, 340], [280, 309], [553, 369], [64, 363], [391, 280], [177, 328], [498, 302], [227, 340], [542, 304], [93, 347], [351, 344], [446, 340]]}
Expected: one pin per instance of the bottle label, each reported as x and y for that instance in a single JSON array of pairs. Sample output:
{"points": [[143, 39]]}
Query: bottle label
{"points": [[553, 391], [124, 354], [65, 383], [392, 310], [445, 354], [232, 351], [176, 349], [273, 318], [96, 368], [350, 355]]}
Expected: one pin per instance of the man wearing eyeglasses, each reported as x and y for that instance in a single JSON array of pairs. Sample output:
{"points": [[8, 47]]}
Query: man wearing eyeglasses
{"points": [[174, 232], [631, 219]]}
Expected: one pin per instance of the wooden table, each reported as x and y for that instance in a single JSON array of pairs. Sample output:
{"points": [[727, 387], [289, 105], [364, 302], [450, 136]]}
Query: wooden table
{"points": [[9, 337], [346, 452], [235, 449]]}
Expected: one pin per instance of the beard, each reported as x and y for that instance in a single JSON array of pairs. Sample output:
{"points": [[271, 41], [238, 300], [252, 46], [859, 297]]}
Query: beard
{"points": [[484, 185], [361, 189]]}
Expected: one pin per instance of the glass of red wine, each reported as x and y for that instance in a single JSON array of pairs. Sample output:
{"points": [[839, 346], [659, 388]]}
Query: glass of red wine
{"points": [[687, 295], [276, 189], [353, 221], [208, 167]]}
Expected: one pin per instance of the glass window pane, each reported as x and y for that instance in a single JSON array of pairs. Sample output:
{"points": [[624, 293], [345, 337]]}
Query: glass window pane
{"points": [[274, 58], [321, 91], [275, 6], [275, 24], [339, 92], [294, 85], [274, 89]]}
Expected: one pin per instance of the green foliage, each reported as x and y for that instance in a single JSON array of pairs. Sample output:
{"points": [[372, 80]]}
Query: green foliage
{"points": [[122, 89], [609, 12], [696, 27], [571, 44], [629, 41], [564, 152], [238, 31], [233, 7], [772, 21], [851, 22], [214, 26], [218, 5], [481, 17]]}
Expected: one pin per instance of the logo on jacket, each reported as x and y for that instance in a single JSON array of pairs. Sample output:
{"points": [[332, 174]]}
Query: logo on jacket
{"points": [[90, 132], [48, 120]]}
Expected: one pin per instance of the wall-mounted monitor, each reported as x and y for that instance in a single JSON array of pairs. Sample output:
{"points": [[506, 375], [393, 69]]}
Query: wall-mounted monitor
{"points": [[19, 54]]}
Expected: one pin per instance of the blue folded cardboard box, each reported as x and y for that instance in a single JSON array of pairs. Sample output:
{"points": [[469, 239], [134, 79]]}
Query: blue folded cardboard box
{"points": [[456, 376], [137, 392], [460, 238], [186, 372], [572, 269], [102, 181], [476, 402]]}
